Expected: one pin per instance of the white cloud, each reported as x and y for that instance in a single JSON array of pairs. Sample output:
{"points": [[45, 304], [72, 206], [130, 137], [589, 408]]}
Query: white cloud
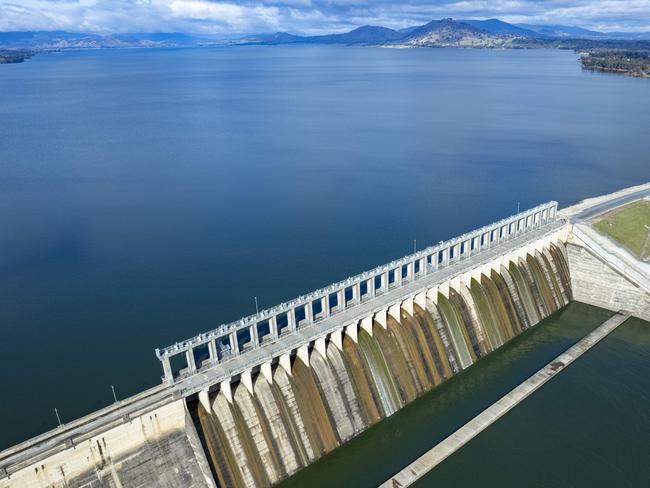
{"points": [[309, 16]]}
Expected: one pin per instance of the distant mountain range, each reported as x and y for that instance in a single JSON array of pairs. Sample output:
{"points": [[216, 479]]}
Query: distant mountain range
{"points": [[437, 33], [448, 33], [48, 40]]}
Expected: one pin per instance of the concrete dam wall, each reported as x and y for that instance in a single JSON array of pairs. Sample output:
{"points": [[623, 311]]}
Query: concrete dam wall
{"points": [[281, 424], [250, 403]]}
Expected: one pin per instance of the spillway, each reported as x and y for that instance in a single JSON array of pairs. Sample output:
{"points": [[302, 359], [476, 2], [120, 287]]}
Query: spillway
{"points": [[252, 402], [262, 436]]}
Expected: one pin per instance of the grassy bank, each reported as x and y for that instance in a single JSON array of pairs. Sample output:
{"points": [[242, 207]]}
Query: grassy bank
{"points": [[630, 226]]}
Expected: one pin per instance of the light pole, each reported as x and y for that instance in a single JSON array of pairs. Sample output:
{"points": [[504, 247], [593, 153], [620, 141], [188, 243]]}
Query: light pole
{"points": [[57, 417], [114, 395], [257, 309]]}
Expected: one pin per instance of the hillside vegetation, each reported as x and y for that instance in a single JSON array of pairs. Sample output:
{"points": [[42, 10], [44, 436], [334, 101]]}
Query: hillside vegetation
{"points": [[629, 62], [13, 56]]}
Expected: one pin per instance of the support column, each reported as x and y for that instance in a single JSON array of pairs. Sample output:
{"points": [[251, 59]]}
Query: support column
{"points": [[410, 270], [303, 354], [247, 380], [234, 343], [395, 312], [167, 369], [267, 372], [336, 338], [273, 326], [254, 337], [204, 398], [340, 298], [353, 332], [366, 324], [371, 287], [285, 363], [356, 293], [191, 364], [384, 281], [407, 305], [319, 345], [325, 305], [309, 313], [291, 319], [212, 349], [381, 318], [398, 275], [226, 390]]}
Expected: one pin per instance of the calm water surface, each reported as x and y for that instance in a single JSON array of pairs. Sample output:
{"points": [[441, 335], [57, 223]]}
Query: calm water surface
{"points": [[588, 427], [148, 195]]}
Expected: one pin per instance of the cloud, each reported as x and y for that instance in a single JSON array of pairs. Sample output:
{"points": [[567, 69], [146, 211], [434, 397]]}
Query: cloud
{"points": [[305, 16]]}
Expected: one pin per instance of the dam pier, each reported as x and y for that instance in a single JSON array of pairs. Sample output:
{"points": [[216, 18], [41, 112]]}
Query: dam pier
{"points": [[249, 403]]}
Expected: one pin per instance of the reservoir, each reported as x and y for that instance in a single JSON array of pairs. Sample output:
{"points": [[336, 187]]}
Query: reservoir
{"points": [[147, 195]]}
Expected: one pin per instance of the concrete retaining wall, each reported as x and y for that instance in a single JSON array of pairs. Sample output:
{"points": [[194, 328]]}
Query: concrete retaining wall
{"points": [[160, 448], [595, 283]]}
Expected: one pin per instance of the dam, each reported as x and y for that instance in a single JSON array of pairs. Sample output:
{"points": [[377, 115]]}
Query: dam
{"points": [[252, 402]]}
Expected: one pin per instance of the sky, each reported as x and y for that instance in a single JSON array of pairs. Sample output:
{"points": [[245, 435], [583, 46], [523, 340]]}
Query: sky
{"points": [[219, 17]]}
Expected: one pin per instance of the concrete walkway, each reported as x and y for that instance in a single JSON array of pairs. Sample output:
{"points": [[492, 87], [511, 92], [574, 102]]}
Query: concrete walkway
{"points": [[418, 468]]}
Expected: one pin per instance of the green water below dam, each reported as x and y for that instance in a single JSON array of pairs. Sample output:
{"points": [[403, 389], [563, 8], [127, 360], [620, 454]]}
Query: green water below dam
{"points": [[589, 426], [571, 423]]}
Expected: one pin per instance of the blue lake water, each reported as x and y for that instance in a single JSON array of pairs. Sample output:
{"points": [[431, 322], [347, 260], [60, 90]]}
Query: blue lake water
{"points": [[148, 195]]}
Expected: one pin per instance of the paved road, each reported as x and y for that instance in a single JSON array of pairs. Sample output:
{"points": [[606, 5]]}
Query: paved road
{"points": [[608, 205]]}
